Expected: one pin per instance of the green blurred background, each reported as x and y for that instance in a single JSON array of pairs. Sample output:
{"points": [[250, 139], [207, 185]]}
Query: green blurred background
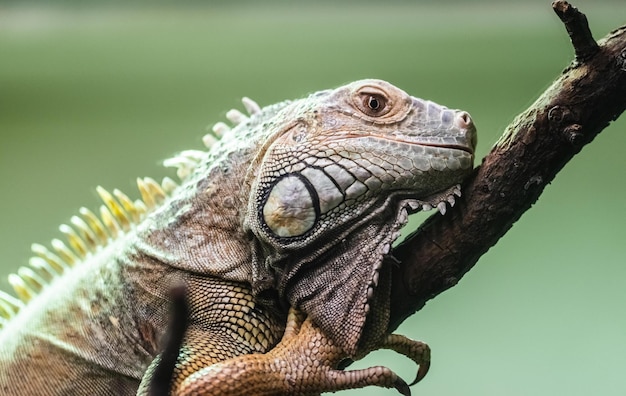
{"points": [[99, 95]]}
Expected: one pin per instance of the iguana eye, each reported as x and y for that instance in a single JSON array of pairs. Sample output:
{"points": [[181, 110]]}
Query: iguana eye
{"points": [[373, 104]]}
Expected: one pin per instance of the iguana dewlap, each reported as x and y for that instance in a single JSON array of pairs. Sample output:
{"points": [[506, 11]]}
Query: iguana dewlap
{"points": [[297, 205]]}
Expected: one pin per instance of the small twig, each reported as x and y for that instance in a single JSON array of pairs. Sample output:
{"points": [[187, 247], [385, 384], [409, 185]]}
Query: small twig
{"points": [[578, 29]]}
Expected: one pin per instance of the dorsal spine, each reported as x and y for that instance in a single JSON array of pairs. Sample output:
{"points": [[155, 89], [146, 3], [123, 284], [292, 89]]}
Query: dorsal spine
{"points": [[118, 214]]}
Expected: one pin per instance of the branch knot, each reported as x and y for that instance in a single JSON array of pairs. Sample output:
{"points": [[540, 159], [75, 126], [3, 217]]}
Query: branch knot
{"points": [[574, 134]]}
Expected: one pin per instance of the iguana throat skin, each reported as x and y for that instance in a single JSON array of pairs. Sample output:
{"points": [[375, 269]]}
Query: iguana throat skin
{"points": [[297, 205]]}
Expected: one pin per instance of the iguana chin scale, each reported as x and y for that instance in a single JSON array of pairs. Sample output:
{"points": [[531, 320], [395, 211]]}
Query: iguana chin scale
{"points": [[296, 206]]}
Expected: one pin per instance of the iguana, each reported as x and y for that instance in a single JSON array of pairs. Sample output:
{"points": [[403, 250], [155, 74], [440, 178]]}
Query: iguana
{"points": [[296, 206]]}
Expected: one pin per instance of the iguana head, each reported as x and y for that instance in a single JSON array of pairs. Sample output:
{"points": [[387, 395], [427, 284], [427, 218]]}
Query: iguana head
{"points": [[332, 185]]}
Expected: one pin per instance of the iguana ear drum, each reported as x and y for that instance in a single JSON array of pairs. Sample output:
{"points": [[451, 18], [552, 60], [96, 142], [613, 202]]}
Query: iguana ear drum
{"points": [[291, 207]]}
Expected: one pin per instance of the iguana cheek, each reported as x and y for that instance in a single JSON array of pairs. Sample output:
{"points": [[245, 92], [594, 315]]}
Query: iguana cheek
{"points": [[290, 209]]}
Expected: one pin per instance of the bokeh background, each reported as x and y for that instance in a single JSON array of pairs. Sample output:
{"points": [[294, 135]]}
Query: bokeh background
{"points": [[98, 95]]}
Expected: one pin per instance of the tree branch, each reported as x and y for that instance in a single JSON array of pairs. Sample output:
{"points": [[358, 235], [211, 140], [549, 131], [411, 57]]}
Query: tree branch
{"points": [[589, 94]]}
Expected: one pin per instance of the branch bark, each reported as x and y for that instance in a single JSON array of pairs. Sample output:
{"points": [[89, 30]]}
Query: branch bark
{"points": [[589, 94]]}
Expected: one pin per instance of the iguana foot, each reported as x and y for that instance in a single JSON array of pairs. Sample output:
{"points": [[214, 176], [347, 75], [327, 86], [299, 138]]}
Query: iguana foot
{"points": [[303, 363]]}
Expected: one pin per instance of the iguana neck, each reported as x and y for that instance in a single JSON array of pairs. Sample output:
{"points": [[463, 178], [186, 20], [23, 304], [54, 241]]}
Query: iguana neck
{"points": [[200, 229]]}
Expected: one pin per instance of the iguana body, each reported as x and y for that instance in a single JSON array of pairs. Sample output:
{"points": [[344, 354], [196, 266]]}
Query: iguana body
{"points": [[296, 206]]}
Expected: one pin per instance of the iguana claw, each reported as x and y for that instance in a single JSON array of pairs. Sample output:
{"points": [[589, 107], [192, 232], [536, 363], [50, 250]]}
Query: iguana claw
{"points": [[402, 387], [417, 351], [421, 373]]}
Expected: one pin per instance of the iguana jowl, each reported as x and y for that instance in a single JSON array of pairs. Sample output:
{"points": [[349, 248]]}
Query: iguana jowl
{"points": [[298, 205]]}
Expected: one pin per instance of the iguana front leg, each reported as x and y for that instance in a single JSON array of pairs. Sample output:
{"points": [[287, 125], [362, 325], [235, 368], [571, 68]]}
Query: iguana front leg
{"points": [[212, 321], [304, 362]]}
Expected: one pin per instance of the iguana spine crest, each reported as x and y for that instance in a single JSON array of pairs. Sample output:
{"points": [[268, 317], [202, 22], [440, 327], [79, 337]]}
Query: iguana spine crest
{"points": [[117, 215]]}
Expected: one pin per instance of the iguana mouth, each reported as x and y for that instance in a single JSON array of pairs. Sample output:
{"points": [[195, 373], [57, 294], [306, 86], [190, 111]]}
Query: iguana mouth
{"points": [[459, 147], [468, 148]]}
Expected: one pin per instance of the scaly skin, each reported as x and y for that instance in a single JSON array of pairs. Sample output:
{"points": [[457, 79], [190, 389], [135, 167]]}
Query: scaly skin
{"points": [[297, 206]]}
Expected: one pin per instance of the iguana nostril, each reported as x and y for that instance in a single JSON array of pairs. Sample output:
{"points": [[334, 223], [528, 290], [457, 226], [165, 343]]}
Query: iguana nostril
{"points": [[463, 120]]}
